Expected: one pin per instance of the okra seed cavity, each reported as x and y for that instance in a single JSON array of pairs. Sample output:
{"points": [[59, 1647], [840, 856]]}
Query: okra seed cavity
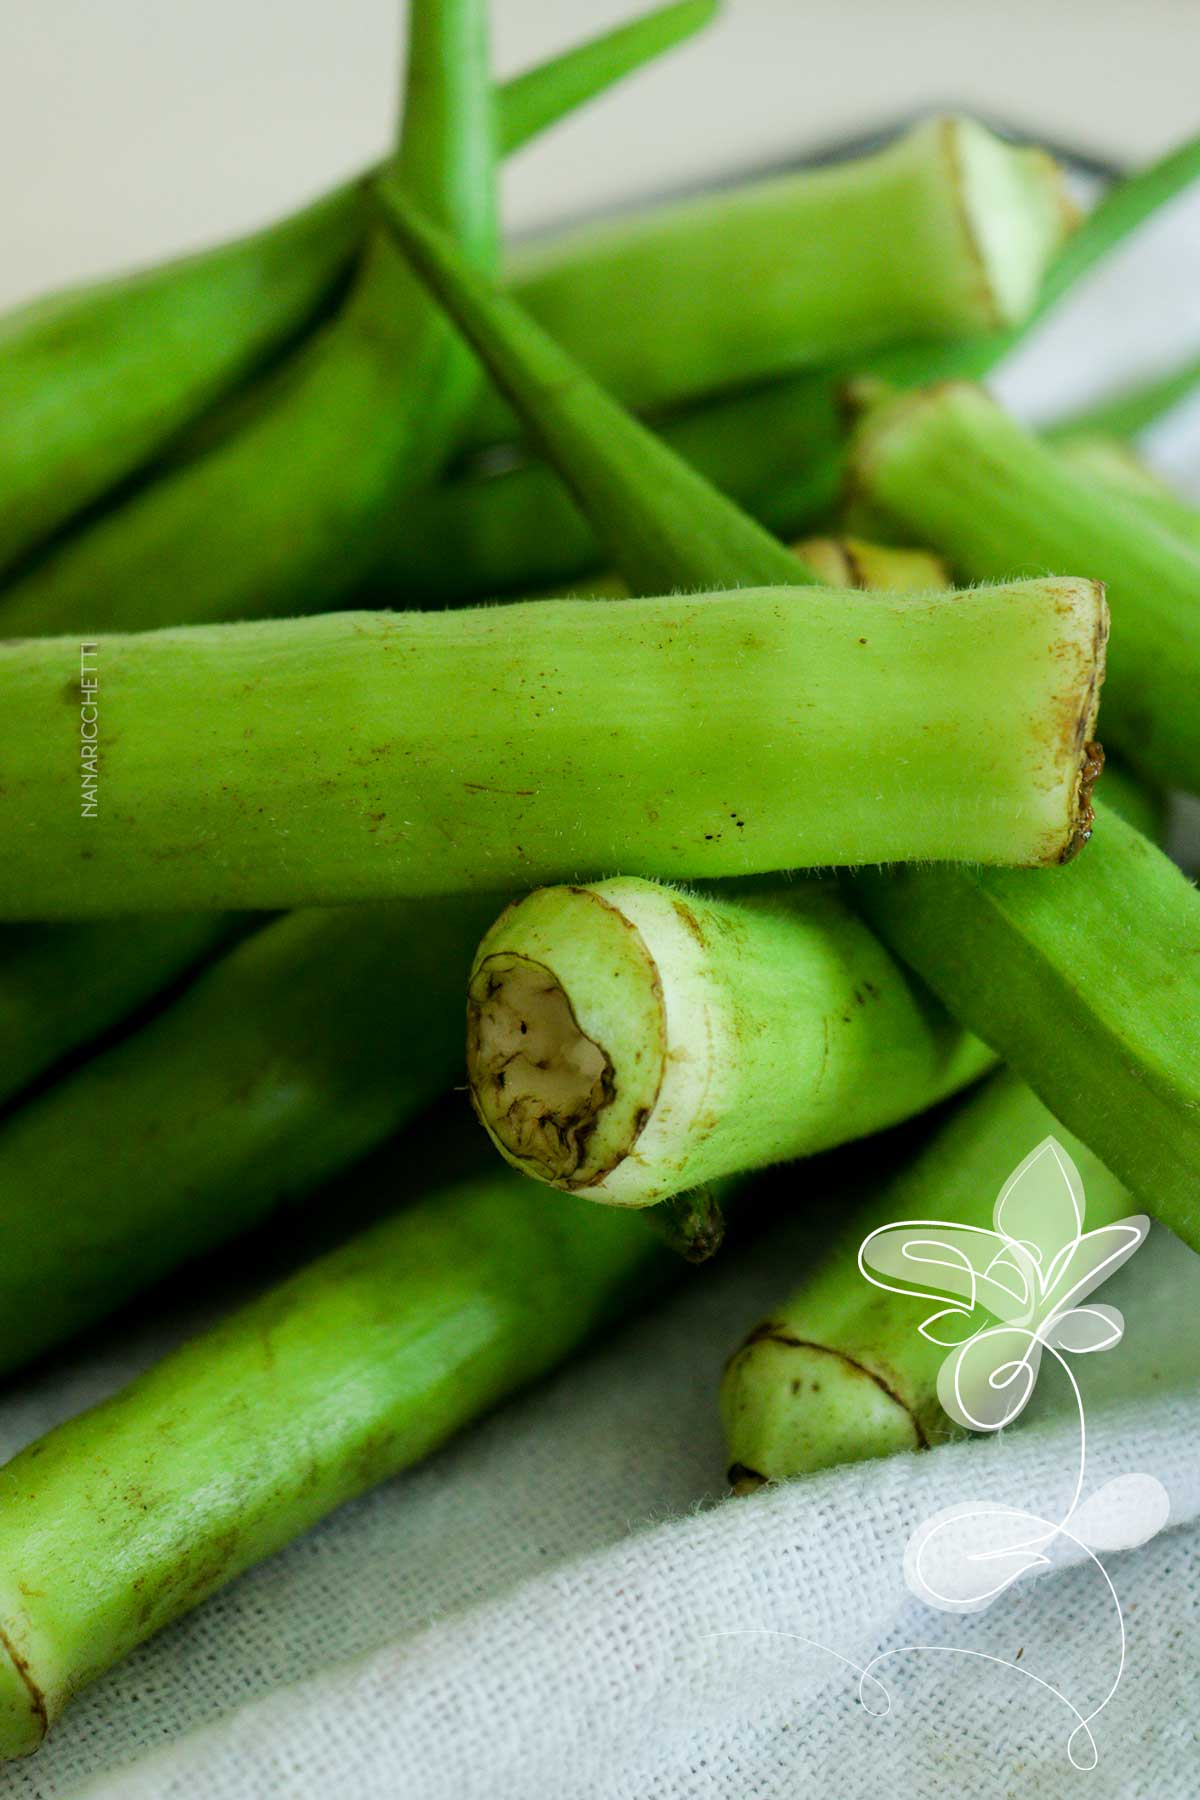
{"points": [[540, 1082]]}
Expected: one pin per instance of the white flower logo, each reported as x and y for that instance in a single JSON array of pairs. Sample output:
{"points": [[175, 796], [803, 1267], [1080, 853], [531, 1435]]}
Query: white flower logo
{"points": [[1015, 1290]]}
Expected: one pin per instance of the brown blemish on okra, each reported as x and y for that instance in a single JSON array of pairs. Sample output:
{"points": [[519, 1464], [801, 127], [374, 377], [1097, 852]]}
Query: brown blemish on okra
{"points": [[539, 1082], [772, 1332], [37, 1700], [1085, 812]]}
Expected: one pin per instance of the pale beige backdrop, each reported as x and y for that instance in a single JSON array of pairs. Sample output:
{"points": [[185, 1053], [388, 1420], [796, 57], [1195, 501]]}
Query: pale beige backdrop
{"points": [[132, 127]]}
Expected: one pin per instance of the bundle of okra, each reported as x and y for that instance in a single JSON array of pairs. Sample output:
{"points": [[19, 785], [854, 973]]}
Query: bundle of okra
{"points": [[753, 839]]}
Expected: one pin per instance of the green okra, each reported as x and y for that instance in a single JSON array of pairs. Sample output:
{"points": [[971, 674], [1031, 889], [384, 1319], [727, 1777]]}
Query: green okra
{"points": [[1115, 468], [370, 755], [1005, 956], [353, 1369], [1087, 982], [629, 1041], [297, 1051], [278, 515], [944, 233], [62, 986], [97, 380], [840, 1371], [948, 465]]}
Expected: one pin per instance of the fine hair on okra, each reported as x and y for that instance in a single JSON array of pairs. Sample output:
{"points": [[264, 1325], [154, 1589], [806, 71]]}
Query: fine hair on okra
{"points": [[1006, 952], [840, 1371], [496, 747], [97, 380], [948, 465], [629, 1041]]}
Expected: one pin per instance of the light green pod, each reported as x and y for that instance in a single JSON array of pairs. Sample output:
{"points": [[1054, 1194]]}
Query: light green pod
{"points": [[297, 1051], [951, 468], [943, 233], [840, 1372], [628, 1041], [1116, 468], [1087, 981], [132, 1514], [368, 755]]}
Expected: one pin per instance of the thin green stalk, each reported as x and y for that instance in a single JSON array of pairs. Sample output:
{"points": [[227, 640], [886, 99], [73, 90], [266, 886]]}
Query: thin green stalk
{"points": [[629, 1041], [356, 1367], [297, 1051], [519, 531], [1131, 410], [62, 986], [1145, 1065], [1116, 469], [840, 1371], [369, 755], [952, 469], [280, 515], [944, 233], [1087, 982], [97, 380]]}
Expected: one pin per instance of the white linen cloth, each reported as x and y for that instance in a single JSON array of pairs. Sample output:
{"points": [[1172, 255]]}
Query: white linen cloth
{"points": [[546, 1610]]}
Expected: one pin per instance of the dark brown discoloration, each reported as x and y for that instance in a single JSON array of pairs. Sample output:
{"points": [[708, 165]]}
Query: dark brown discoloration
{"points": [[689, 921], [1090, 771], [771, 1331], [744, 1480], [37, 1700]]}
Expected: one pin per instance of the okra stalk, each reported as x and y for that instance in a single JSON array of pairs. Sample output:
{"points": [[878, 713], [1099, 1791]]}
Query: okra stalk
{"points": [[1131, 410], [628, 1041], [353, 1369], [840, 1371], [96, 380], [299, 1050], [943, 233], [369, 755], [1129, 1072], [1087, 982], [950, 467], [61, 986]]}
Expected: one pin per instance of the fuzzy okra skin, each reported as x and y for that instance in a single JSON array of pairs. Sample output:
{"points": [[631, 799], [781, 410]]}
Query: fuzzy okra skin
{"points": [[1087, 981], [628, 1041], [370, 755], [954, 470], [840, 1371], [944, 232], [299, 1050], [367, 1360], [61, 986], [96, 380]]}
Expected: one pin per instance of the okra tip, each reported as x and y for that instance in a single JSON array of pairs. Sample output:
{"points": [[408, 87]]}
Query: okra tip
{"points": [[563, 1100], [787, 1404]]}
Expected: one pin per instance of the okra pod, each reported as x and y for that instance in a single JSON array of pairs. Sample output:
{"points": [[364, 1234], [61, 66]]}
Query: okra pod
{"points": [[1131, 410], [62, 986], [297, 1051], [97, 380], [950, 467], [841, 1371], [1087, 982], [370, 755], [1114, 468], [628, 1041], [353, 1369], [943, 233], [1012, 957]]}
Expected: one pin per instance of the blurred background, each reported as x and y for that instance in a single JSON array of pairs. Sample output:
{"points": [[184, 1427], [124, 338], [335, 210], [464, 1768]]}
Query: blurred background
{"points": [[129, 128]]}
